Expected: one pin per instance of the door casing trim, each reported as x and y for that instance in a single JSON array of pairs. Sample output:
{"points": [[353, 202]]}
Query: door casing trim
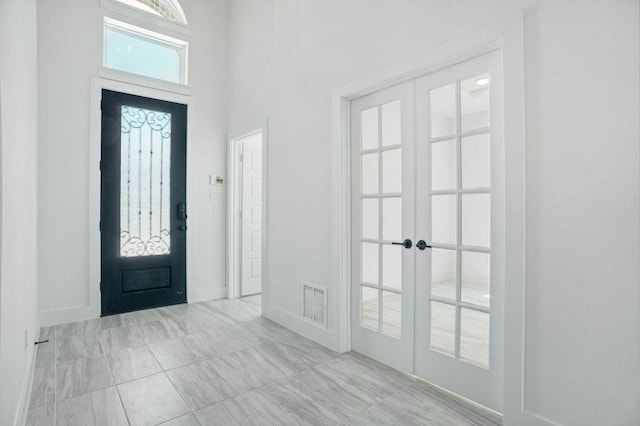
{"points": [[505, 34], [97, 84]]}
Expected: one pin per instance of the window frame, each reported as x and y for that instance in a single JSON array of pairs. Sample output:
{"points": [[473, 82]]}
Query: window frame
{"points": [[181, 47]]}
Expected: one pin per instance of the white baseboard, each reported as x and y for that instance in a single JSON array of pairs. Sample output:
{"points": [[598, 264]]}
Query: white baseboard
{"points": [[24, 399], [532, 419], [325, 337], [65, 315], [204, 294], [86, 312]]}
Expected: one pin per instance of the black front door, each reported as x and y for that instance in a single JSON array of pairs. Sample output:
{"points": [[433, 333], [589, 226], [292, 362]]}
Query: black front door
{"points": [[143, 203]]}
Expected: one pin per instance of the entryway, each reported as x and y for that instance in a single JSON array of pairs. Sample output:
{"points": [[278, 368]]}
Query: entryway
{"points": [[427, 257], [143, 203]]}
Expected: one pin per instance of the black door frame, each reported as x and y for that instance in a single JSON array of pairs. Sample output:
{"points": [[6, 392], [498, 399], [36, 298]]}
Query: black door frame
{"points": [[112, 265]]}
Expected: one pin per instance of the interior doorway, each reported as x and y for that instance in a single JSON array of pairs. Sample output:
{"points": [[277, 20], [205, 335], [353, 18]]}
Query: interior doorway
{"points": [[246, 198], [427, 228]]}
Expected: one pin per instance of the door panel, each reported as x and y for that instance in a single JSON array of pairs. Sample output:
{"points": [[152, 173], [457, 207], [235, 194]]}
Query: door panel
{"points": [[382, 217], [251, 282], [143, 210], [427, 164], [460, 200]]}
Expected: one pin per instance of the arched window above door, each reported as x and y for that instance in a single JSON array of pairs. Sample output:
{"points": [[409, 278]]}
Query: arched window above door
{"points": [[169, 9]]}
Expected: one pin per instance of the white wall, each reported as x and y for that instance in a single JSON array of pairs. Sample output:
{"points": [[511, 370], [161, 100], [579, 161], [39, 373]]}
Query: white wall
{"points": [[70, 54], [18, 136], [583, 213]]}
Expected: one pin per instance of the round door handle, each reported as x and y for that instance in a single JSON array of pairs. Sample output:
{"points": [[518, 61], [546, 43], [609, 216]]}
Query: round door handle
{"points": [[182, 227], [406, 243], [422, 244]]}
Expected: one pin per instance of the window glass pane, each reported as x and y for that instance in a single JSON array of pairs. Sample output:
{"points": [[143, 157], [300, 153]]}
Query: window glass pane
{"points": [[370, 218], [145, 181], [443, 273], [444, 219], [476, 162], [443, 326], [391, 314], [391, 124], [474, 337], [392, 171], [370, 173], [476, 220], [443, 111], [156, 7], [369, 129], [392, 219], [475, 278], [474, 102], [139, 54], [443, 165], [370, 263], [392, 266], [369, 308]]}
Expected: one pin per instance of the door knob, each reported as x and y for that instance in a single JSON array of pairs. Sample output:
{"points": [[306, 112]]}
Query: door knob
{"points": [[406, 243], [422, 245], [182, 227]]}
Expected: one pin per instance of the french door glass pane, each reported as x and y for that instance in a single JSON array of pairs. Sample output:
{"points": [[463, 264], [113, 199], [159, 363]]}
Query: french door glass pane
{"points": [[392, 266], [392, 171], [443, 111], [369, 308], [369, 129], [444, 219], [391, 124], [475, 278], [370, 173], [392, 219], [476, 220], [370, 224], [443, 327], [474, 336], [476, 161], [391, 314], [443, 165], [370, 263], [443, 273], [145, 182], [474, 102]]}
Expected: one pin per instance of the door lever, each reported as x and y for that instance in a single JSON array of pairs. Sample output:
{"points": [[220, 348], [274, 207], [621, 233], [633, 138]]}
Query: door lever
{"points": [[182, 211], [422, 245], [406, 243]]}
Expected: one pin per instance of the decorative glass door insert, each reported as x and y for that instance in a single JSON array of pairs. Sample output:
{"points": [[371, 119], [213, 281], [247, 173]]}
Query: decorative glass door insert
{"points": [[145, 182]]}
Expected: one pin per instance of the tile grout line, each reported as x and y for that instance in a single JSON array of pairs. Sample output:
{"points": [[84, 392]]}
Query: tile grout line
{"points": [[106, 359], [55, 375]]}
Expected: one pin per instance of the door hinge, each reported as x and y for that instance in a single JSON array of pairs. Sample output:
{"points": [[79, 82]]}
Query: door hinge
{"points": [[101, 286], [241, 157], [100, 226], [100, 104], [100, 165]]}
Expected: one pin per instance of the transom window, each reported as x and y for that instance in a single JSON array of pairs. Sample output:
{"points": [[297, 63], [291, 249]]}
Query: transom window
{"points": [[140, 51], [163, 8]]}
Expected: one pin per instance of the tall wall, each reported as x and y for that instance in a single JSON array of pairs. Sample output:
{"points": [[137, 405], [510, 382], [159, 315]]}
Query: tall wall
{"points": [[18, 218], [583, 212], [70, 54]]}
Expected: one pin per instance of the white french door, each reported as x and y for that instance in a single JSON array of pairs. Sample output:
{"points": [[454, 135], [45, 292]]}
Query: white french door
{"points": [[452, 277], [382, 131]]}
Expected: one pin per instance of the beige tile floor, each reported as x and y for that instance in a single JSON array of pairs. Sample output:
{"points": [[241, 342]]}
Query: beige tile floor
{"points": [[218, 363]]}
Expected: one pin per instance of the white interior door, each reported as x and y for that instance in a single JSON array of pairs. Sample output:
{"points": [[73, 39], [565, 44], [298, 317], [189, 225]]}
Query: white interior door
{"points": [[251, 216], [382, 218], [460, 205]]}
